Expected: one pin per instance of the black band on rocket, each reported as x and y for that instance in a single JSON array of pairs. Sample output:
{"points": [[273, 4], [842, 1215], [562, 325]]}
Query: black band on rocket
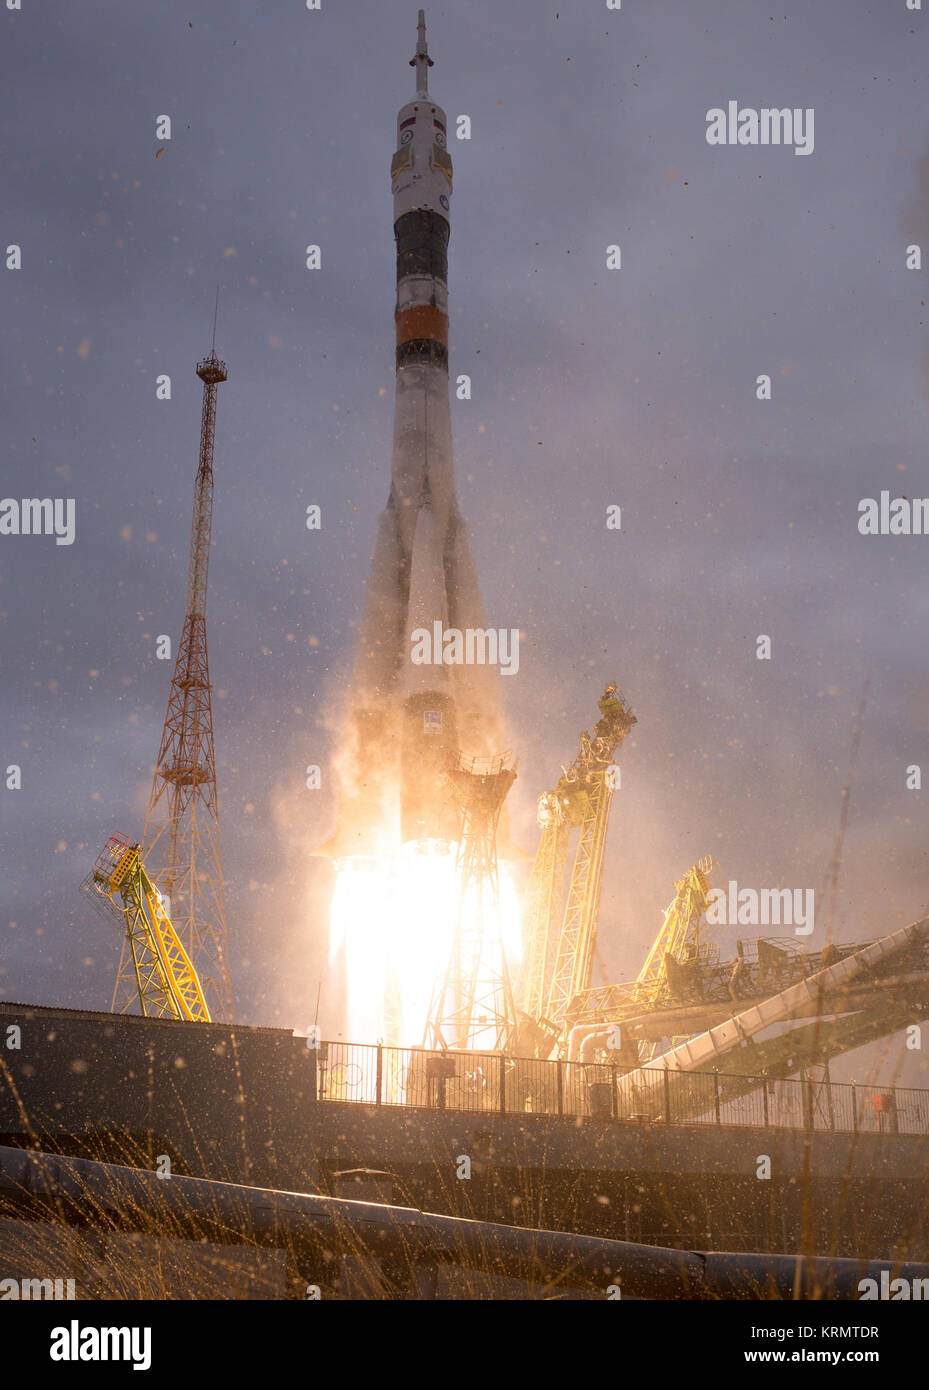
{"points": [[422, 245], [422, 350]]}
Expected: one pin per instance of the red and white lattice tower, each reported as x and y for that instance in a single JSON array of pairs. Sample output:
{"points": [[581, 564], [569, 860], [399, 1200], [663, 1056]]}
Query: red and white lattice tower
{"points": [[181, 838]]}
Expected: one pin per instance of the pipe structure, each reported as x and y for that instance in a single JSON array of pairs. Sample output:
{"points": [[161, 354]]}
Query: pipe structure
{"points": [[654, 1025], [701, 1052], [581, 1034], [83, 1192], [592, 1039]]}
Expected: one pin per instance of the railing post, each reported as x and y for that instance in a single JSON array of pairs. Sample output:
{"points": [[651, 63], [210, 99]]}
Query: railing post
{"points": [[559, 1085], [854, 1107], [716, 1105], [667, 1096], [502, 1084], [314, 1070], [380, 1074], [764, 1092], [807, 1102], [613, 1107]]}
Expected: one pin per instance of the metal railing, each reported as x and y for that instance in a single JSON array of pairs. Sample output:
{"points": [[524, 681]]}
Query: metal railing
{"points": [[488, 1083]]}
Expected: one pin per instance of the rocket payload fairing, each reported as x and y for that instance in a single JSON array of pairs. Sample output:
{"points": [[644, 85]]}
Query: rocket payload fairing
{"points": [[407, 717]]}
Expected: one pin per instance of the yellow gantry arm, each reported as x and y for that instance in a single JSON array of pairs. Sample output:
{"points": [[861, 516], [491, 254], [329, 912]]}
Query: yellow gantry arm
{"points": [[561, 923], [180, 977], [677, 935], [167, 983], [541, 906]]}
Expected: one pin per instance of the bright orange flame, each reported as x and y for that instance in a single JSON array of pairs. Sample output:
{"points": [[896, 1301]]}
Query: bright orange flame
{"points": [[395, 917], [357, 927]]}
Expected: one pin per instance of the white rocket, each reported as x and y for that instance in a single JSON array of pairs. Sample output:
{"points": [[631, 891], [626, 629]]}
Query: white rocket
{"points": [[407, 715]]}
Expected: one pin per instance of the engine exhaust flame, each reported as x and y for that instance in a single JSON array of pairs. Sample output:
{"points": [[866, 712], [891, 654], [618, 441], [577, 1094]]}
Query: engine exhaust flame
{"points": [[394, 916]]}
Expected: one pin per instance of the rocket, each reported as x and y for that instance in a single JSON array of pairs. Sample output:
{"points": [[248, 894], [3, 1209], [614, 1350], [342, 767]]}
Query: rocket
{"points": [[408, 715]]}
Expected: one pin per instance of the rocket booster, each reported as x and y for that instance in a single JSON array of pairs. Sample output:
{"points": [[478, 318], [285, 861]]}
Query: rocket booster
{"points": [[407, 717]]}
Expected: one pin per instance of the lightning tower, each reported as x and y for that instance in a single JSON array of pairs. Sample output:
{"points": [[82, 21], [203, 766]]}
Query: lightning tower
{"points": [[181, 836]]}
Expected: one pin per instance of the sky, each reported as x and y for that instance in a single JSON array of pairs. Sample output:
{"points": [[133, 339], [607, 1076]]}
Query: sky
{"points": [[591, 388]]}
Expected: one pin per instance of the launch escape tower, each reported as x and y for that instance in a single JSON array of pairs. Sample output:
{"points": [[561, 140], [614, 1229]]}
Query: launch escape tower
{"points": [[475, 1007], [182, 824]]}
